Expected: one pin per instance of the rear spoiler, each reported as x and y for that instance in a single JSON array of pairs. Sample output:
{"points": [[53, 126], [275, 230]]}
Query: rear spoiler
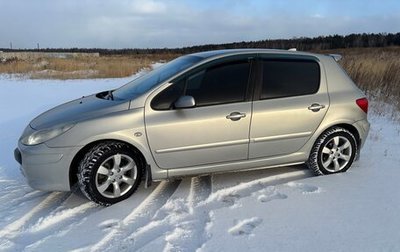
{"points": [[337, 57]]}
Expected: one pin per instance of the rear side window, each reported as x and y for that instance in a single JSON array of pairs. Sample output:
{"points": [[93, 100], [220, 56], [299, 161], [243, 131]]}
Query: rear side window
{"points": [[220, 84], [285, 78]]}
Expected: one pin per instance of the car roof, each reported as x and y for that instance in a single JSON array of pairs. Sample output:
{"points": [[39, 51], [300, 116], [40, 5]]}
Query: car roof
{"points": [[226, 52]]}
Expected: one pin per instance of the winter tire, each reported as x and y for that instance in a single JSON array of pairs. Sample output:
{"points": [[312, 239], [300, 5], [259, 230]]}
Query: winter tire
{"points": [[109, 172], [333, 152]]}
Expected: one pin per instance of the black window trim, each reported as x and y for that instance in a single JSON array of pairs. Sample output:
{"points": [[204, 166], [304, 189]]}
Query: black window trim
{"points": [[259, 76]]}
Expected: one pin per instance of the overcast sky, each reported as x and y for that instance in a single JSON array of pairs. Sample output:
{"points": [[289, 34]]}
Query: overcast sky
{"points": [[175, 23]]}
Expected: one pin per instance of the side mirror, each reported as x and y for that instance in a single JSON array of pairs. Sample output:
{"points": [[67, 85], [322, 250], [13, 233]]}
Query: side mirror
{"points": [[185, 101]]}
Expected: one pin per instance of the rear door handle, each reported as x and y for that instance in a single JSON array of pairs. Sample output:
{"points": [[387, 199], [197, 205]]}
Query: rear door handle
{"points": [[315, 107], [235, 116]]}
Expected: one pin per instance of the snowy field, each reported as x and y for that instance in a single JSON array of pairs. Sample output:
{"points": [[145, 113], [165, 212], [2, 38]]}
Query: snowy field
{"points": [[283, 209]]}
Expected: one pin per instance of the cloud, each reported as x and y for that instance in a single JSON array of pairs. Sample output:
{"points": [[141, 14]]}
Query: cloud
{"points": [[148, 7], [176, 23], [317, 16]]}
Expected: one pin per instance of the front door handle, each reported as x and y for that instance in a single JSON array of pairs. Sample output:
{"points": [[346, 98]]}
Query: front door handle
{"points": [[315, 107], [235, 116]]}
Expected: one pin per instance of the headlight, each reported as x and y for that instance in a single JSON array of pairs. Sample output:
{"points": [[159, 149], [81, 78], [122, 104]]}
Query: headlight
{"points": [[44, 135]]}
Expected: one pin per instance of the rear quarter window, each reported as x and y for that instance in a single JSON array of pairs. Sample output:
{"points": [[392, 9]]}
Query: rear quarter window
{"points": [[286, 78]]}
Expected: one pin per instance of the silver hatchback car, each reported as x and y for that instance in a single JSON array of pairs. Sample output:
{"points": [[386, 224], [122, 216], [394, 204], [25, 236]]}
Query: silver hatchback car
{"points": [[202, 113]]}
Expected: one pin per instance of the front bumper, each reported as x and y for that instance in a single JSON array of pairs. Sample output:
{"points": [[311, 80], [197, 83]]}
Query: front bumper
{"points": [[45, 168]]}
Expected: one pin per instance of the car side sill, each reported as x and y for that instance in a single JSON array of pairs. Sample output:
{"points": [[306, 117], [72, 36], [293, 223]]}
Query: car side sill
{"points": [[277, 161]]}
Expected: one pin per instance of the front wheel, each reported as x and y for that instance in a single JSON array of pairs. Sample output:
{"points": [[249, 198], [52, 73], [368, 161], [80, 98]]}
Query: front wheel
{"points": [[109, 173], [333, 152]]}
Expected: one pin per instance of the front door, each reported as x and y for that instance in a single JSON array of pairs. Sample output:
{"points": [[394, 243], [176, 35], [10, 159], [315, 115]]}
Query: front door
{"points": [[215, 130]]}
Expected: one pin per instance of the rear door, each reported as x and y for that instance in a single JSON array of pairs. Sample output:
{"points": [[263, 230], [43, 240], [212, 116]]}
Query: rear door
{"points": [[290, 102]]}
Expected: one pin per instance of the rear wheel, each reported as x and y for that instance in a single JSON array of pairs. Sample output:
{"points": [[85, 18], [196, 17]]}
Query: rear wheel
{"points": [[333, 152], [109, 172]]}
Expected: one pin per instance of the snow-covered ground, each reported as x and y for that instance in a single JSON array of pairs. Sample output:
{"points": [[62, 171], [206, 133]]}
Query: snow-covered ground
{"points": [[282, 209]]}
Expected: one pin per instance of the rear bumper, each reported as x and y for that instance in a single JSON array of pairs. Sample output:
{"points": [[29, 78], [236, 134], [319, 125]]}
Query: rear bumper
{"points": [[362, 127], [45, 168]]}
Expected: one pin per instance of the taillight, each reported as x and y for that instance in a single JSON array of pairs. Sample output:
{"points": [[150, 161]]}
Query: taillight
{"points": [[363, 104]]}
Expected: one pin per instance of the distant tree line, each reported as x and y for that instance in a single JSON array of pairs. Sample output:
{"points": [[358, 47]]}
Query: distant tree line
{"points": [[302, 43]]}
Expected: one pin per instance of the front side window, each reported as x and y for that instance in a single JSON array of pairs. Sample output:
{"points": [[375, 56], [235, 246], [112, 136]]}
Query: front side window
{"points": [[220, 84], [286, 78], [166, 99]]}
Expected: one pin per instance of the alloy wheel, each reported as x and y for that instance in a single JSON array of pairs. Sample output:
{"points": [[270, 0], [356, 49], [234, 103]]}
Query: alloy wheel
{"points": [[336, 154], [116, 176]]}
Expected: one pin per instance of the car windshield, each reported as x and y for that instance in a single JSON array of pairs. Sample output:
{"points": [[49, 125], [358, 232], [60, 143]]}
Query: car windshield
{"points": [[146, 82]]}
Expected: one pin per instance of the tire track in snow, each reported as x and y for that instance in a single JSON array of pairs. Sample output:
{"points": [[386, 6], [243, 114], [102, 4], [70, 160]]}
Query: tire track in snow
{"points": [[58, 222], [17, 202], [16, 195], [183, 221], [43, 221], [9, 233], [200, 190], [159, 223], [178, 209], [138, 218], [178, 223], [45, 206], [228, 196], [97, 221], [190, 233]]}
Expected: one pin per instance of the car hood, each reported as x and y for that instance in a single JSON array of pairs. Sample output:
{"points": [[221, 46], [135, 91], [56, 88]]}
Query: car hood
{"points": [[78, 110]]}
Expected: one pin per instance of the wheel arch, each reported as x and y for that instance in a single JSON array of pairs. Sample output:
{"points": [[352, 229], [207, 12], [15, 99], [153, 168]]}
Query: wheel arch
{"points": [[73, 168], [345, 124], [350, 128]]}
